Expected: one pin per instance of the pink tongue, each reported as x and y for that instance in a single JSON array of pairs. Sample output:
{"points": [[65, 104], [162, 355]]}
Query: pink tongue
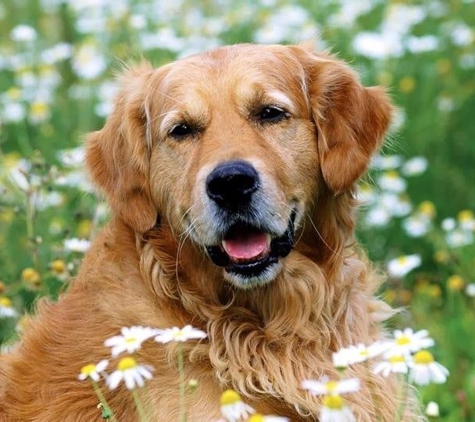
{"points": [[246, 247]]}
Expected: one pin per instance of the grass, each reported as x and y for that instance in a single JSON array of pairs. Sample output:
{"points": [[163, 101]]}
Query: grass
{"points": [[56, 83]]}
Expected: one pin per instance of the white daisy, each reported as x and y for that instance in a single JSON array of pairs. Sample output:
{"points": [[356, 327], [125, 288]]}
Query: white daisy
{"points": [[394, 364], [130, 340], [402, 265], [330, 387], [131, 373], [233, 409], [178, 334], [424, 369], [334, 410], [406, 342], [93, 371], [6, 308], [358, 353], [415, 166]]}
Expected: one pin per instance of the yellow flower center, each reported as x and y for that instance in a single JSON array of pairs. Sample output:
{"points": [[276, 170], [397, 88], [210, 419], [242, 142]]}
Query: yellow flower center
{"points": [[4, 301], [58, 266], [402, 260], [178, 335], [256, 418], [427, 208], [403, 340], [131, 340], [423, 357], [396, 359], [30, 275], [334, 402], [465, 216], [39, 108], [455, 283], [127, 363], [230, 397], [88, 369], [392, 174], [331, 386]]}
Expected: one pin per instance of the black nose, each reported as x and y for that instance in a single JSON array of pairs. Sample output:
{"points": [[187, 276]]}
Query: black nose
{"points": [[232, 184]]}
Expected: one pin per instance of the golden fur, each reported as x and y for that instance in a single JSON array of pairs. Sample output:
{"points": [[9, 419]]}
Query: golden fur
{"points": [[146, 268]]}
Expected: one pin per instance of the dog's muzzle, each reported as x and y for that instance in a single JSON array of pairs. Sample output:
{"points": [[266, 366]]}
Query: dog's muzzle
{"points": [[247, 248]]}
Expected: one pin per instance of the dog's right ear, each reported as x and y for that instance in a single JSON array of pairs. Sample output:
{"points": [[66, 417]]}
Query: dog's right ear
{"points": [[117, 156]]}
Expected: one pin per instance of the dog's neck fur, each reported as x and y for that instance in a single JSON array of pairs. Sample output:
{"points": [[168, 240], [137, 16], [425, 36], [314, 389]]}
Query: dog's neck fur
{"points": [[300, 314]]}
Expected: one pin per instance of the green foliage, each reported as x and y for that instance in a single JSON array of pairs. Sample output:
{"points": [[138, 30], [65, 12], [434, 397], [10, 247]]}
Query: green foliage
{"points": [[57, 65]]}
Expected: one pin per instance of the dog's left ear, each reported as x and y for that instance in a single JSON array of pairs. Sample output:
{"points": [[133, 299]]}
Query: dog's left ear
{"points": [[117, 156], [351, 120]]}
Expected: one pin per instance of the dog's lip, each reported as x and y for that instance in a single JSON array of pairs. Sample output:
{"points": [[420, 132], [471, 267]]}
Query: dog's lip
{"points": [[262, 255]]}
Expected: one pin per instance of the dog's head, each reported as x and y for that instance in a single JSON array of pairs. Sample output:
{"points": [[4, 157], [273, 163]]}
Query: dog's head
{"points": [[234, 149]]}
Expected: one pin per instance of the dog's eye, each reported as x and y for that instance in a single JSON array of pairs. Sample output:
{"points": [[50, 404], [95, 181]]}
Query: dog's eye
{"points": [[181, 130], [272, 114]]}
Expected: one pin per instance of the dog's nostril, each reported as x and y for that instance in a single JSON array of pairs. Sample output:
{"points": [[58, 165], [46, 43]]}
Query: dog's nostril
{"points": [[232, 183]]}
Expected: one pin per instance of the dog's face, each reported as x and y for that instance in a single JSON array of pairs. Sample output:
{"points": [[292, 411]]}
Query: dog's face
{"points": [[232, 149]]}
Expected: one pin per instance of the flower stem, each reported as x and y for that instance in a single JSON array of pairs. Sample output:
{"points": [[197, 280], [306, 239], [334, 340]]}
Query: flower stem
{"points": [[139, 406], [106, 410], [181, 373], [402, 394]]}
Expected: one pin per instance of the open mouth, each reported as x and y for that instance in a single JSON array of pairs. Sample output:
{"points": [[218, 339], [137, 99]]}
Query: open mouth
{"points": [[249, 251]]}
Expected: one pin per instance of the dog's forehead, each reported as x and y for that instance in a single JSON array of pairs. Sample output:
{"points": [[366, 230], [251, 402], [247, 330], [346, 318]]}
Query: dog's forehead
{"points": [[240, 71]]}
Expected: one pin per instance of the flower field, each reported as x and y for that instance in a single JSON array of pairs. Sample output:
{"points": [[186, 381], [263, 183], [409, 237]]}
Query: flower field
{"points": [[58, 61]]}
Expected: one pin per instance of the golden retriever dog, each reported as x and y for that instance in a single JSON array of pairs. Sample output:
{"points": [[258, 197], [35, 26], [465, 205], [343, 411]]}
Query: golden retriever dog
{"points": [[231, 179]]}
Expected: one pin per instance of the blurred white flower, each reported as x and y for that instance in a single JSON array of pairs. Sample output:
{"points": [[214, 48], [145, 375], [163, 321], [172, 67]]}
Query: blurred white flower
{"points": [[357, 354], [415, 166], [93, 371], [45, 200], [376, 45], [407, 341], [233, 409], [6, 308], [462, 34], [57, 53], [470, 290], [394, 364], [377, 217], [391, 181], [402, 265], [397, 205], [133, 374], [432, 409], [23, 33], [176, 334], [424, 369], [130, 340], [88, 62], [448, 224], [325, 386], [458, 238], [72, 157], [366, 194], [417, 225], [335, 410], [445, 104], [13, 112], [386, 162], [77, 245], [39, 112], [422, 44], [466, 220]]}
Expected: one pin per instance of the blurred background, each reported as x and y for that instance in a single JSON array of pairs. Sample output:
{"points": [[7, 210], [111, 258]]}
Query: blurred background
{"points": [[58, 59]]}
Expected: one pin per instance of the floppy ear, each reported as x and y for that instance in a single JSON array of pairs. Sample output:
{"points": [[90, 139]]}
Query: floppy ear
{"points": [[117, 156], [351, 121]]}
